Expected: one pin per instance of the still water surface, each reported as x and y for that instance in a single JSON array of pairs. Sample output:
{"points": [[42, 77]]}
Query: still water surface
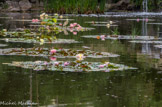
{"points": [[131, 88]]}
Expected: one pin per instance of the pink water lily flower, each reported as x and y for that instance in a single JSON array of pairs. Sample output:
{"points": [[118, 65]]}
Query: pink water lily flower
{"points": [[101, 66], [138, 20], [71, 30], [53, 58], [45, 63], [53, 51], [56, 63], [146, 19], [102, 37], [74, 33], [75, 24], [78, 25], [35, 20], [66, 63], [71, 25], [79, 28]]}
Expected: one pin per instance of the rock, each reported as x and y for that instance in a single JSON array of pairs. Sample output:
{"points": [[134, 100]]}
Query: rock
{"points": [[33, 1], [130, 6], [121, 5], [25, 5], [13, 6], [41, 4]]}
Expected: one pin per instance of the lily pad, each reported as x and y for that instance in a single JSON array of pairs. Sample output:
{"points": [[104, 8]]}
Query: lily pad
{"points": [[95, 22], [150, 42], [60, 53], [155, 23], [71, 66], [122, 37], [22, 20], [65, 19], [140, 19], [3, 45], [158, 46], [6, 17], [25, 40], [102, 25]]}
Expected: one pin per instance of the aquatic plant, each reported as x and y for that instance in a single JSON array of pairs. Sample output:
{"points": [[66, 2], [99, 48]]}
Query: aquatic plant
{"points": [[73, 66], [56, 52], [134, 32], [45, 30], [126, 37], [115, 32], [80, 57], [41, 41]]}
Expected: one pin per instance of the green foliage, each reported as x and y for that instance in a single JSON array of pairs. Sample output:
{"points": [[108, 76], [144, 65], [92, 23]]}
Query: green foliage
{"points": [[115, 32], [4, 5], [135, 32], [75, 6]]}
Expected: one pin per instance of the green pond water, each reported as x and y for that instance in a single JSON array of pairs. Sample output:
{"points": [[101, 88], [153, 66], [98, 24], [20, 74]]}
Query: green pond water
{"points": [[130, 88]]}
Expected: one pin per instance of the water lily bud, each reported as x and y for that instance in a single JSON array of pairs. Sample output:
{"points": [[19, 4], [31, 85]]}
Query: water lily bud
{"points": [[6, 40], [4, 30], [61, 17], [108, 25], [56, 14], [41, 41], [46, 16], [111, 22]]}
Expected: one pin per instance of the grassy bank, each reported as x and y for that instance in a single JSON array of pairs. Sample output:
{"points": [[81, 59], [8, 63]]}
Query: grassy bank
{"points": [[75, 6]]}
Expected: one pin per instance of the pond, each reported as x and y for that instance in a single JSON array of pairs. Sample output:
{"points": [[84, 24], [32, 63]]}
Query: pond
{"points": [[135, 41]]}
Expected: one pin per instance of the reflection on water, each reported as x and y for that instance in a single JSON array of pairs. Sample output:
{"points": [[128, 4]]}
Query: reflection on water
{"points": [[129, 88]]}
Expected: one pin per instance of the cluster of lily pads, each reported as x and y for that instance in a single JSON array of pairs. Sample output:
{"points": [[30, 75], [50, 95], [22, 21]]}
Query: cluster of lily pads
{"points": [[53, 52], [71, 66], [115, 37], [45, 30]]}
